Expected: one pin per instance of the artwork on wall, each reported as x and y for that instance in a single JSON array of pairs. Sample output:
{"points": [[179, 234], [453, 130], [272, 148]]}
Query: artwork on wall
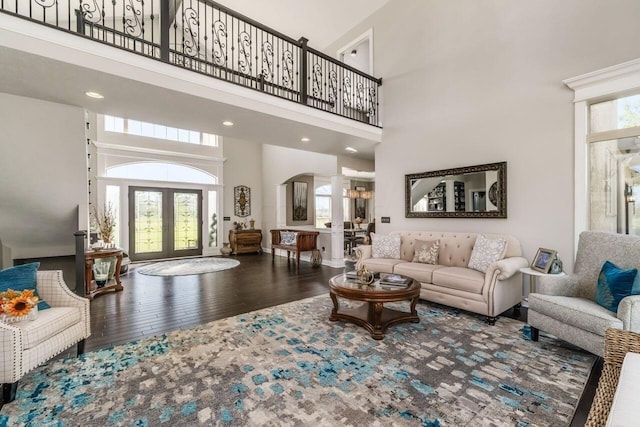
{"points": [[242, 200], [360, 210], [299, 201]]}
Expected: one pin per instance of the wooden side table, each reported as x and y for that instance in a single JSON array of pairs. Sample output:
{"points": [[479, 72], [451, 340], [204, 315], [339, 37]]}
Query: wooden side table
{"points": [[245, 241], [533, 275], [91, 289]]}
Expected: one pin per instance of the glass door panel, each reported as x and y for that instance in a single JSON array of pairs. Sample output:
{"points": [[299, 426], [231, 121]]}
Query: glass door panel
{"points": [[186, 214], [165, 223], [148, 222]]}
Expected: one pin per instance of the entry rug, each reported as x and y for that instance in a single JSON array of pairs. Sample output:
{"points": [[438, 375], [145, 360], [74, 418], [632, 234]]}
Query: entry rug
{"points": [[185, 267], [290, 366]]}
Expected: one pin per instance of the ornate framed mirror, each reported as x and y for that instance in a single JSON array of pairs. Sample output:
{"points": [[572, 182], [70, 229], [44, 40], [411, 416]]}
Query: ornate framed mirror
{"points": [[468, 192]]}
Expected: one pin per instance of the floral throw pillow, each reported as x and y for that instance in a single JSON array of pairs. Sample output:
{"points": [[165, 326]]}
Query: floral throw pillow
{"points": [[385, 246], [288, 238], [426, 251], [486, 251]]}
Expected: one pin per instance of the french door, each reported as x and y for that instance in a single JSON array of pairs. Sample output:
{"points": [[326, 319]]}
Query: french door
{"points": [[164, 223]]}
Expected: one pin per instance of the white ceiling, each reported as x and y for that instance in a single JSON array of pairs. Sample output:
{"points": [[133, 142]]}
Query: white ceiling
{"points": [[39, 77], [322, 22]]}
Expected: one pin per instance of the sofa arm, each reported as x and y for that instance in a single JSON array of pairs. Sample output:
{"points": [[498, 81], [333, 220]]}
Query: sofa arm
{"points": [[629, 313], [52, 289], [507, 267], [558, 285], [11, 353], [362, 252]]}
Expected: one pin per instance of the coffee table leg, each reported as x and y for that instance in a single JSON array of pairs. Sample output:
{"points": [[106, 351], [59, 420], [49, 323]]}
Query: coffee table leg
{"points": [[414, 312], [336, 305], [378, 332]]}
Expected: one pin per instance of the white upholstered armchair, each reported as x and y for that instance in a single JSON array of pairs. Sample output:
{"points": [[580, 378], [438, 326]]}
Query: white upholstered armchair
{"points": [[565, 306], [27, 344]]}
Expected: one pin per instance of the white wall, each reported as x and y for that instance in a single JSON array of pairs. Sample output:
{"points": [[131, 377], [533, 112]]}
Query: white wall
{"points": [[468, 83], [355, 163], [243, 166], [43, 171]]}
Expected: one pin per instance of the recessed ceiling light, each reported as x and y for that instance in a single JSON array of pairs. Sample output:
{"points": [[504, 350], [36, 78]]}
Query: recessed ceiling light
{"points": [[305, 139], [351, 150], [95, 95], [227, 123]]}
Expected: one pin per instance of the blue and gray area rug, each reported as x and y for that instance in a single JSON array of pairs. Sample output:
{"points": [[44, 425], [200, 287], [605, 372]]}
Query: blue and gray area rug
{"points": [[188, 266], [290, 366]]}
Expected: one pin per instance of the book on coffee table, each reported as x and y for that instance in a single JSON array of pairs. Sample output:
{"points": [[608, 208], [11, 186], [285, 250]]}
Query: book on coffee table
{"points": [[351, 274], [395, 280]]}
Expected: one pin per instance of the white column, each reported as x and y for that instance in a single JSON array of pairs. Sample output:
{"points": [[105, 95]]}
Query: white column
{"points": [[581, 192], [450, 201], [281, 206], [337, 220]]}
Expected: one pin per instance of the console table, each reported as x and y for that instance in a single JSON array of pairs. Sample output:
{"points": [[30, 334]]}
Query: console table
{"points": [[91, 289], [245, 241]]}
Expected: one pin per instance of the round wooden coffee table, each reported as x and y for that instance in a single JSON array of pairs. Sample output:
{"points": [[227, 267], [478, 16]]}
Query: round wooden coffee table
{"points": [[372, 315]]}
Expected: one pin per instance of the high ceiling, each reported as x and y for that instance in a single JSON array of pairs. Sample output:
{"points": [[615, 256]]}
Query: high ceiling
{"points": [[322, 22], [42, 77]]}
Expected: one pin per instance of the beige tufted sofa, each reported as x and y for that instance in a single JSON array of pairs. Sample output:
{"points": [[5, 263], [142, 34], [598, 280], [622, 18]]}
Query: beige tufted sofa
{"points": [[450, 282]]}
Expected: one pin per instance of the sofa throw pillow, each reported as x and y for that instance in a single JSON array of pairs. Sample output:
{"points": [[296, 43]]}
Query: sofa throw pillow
{"points": [[486, 251], [614, 283], [22, 277], [383, 246], [288, 238], [426, 251]]}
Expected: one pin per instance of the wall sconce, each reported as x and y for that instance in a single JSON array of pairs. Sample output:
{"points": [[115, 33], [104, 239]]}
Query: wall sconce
{"points": [[354, 52]]}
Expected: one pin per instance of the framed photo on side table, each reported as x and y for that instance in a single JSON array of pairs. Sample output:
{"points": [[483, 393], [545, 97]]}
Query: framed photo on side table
{"points": [[543, 260]]}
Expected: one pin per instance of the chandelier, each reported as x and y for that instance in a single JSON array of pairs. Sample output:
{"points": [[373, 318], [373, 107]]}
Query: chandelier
{"points": [[359, 194]]}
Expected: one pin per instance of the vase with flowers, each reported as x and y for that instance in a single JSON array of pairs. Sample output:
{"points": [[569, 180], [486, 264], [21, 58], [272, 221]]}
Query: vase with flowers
{"points": [[106, 222]]}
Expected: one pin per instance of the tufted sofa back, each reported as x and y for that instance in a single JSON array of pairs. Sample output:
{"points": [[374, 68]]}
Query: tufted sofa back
{"points": [[455, 248]]}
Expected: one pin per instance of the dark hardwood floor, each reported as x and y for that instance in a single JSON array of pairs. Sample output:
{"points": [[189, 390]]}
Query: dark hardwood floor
{"points": [[152, 305]]}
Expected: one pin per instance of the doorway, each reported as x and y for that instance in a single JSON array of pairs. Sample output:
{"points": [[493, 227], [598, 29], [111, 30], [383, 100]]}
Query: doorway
{"points": [[164, 223], [359, 53], [479, 201]]}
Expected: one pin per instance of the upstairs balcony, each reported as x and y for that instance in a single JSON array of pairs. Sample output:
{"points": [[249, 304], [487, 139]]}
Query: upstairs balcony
{"points": [[210, 39]]}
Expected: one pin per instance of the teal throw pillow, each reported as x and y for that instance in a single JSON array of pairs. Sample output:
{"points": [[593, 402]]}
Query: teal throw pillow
{"points": [[615, 283], [21, 277]]}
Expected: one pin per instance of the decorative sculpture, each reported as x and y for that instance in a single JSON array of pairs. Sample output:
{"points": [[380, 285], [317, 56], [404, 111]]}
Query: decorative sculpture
{"points": [[365, 277]]}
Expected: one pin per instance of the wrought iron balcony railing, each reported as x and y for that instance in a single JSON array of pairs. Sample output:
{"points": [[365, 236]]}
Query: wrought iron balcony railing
{"points": [[208, 38]]}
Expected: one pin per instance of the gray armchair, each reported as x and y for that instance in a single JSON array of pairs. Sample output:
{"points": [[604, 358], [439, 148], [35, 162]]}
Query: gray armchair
{"points": [[565, 306]]}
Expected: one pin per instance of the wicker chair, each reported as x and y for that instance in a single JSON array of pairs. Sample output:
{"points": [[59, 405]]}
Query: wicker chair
{"points": [[616, 345]]}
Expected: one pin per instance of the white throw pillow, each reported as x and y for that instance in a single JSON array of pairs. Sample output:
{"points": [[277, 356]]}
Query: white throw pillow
{"points": [[288, 238], [385, 246], [486, 251]]}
